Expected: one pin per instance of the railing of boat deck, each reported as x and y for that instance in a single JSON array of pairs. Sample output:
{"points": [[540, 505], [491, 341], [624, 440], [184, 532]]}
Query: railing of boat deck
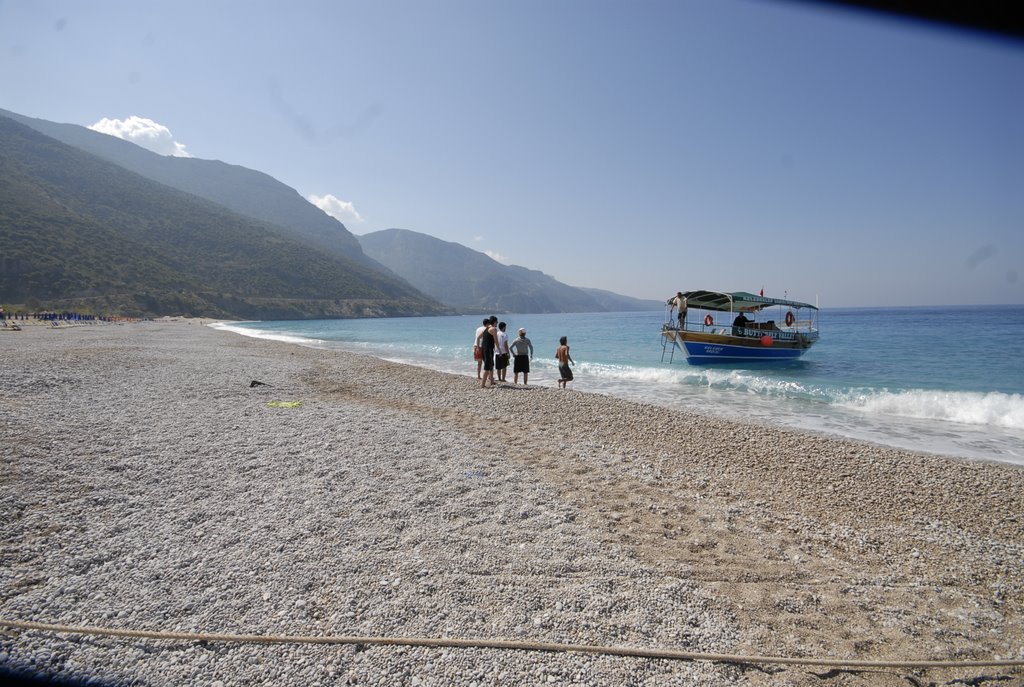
{"points": [[801, 329]]}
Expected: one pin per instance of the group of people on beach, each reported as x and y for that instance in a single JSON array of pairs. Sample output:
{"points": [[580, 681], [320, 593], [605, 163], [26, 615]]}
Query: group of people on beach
{"points": [[47, 316], [492, 352]]}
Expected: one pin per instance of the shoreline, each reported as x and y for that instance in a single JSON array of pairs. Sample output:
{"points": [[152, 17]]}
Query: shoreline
{"points": [[510, 513], [917, 421]]}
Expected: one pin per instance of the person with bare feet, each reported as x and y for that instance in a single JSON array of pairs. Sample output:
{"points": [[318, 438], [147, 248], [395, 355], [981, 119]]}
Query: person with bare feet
{"points": [[478, 353], [522, 352], [564, 361], [501, 352], [487, 341]]}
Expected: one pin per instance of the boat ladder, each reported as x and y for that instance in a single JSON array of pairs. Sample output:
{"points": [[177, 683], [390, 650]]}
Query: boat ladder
{"points": [[669, 342]]}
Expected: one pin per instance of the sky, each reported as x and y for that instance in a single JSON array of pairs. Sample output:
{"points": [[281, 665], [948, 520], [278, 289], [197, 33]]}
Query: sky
{"points": [[645, 146]]}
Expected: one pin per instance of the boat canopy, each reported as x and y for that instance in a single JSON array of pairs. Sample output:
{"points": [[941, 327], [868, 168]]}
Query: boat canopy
{"points": [[737, 301]]}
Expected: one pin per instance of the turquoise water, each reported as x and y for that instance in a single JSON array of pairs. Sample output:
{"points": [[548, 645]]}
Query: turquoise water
{"points": [[942, 380]]}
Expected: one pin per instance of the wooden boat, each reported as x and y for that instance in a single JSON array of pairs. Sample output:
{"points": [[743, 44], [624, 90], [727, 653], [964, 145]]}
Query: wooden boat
{"points": [[723, 328]]}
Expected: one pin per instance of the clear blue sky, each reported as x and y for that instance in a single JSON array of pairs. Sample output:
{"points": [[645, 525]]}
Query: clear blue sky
{"points": [[640, 147]]}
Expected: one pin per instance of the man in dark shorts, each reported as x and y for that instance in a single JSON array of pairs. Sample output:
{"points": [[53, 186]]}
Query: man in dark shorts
{"points": [[487, 341], [501, 352], [564, 360], [522, 352]]}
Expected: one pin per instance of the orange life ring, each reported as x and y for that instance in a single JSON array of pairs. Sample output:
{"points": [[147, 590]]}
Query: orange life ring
{"points": [[790, 319], [708, 320]]}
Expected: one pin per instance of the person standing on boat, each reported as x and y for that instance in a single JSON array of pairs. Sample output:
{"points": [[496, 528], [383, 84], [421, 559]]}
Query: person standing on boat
{"points": [[564, 360], [739, 324], [679, 303], [522, 351]]}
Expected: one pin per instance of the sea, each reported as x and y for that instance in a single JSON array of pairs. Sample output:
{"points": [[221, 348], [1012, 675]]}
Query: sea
{"points": [[941, 380]]}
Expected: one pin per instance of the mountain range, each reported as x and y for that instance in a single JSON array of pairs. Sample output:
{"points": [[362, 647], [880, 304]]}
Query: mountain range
{"points": [[474, 282], [93, 223], [80, 233]]}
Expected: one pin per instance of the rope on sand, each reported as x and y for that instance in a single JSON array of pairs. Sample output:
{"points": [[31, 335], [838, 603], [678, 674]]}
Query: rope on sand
{"points": [[503, 644]]}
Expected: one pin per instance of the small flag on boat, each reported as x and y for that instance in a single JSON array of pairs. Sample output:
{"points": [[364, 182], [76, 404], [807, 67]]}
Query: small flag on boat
{"points": [[762, 291]]}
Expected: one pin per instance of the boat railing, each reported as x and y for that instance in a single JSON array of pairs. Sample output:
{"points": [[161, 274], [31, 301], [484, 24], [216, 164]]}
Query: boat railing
{"points": [[696, 326], [799, 329]]}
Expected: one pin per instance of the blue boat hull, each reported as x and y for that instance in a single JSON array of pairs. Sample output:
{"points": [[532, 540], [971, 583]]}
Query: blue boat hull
{"points": [[704, 353]]}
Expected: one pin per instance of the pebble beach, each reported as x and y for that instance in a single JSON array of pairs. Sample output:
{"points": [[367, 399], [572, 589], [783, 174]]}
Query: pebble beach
{"points": [[147, 484]]}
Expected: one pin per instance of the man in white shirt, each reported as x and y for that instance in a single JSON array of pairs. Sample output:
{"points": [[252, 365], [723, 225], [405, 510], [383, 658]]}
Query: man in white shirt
{"points": [[679, 303], [501, 355], [478, 354]]}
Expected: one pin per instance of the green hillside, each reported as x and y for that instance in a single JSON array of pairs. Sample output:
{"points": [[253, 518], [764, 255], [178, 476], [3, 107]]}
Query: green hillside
{"points": [[248, 192], [80, 233]]}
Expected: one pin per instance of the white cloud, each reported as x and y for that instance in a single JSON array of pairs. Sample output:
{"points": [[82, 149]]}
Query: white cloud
{"points": [[143, 132], [496, 256], [342, 210]]}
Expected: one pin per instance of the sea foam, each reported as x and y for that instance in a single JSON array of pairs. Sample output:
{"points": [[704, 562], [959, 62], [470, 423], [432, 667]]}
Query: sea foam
{"points": [[972, 408], [266, 334]]}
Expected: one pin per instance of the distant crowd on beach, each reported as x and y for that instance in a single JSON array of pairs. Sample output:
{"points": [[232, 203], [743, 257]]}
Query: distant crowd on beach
{"points": [[493, 352], [13, 319]]}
